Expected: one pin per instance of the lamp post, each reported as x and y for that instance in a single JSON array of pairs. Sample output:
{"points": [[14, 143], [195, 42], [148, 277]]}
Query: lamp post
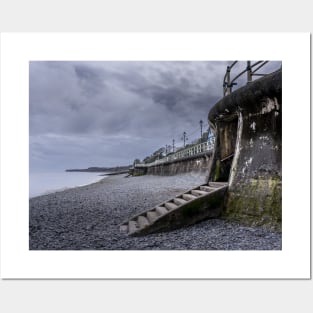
{"points": [[184, 138]]}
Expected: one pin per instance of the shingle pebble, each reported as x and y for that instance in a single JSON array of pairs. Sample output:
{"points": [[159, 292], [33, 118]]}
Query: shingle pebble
{"points": [[88, 218]]}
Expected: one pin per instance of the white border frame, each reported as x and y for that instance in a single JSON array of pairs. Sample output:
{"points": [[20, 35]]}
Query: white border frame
{"points": [[294, 259]]}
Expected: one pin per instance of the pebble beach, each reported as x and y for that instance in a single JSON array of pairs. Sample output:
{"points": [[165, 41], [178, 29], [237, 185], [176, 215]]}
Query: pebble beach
{"points": [[88, 218]]}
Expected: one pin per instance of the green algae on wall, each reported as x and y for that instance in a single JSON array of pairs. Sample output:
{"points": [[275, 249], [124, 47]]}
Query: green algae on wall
{"points": [[257, 203], [217, 170]]}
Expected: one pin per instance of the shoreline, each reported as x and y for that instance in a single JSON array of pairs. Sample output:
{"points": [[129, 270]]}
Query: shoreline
{"points": [[53, 189], [88, 218]]}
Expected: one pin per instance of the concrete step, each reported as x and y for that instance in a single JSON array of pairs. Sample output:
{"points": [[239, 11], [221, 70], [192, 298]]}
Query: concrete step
{"points": [[217, 184], [207, 188], [170, 206], [160, 210], [199, 193], [142, 221], [152, 216], [207, 199], [188, 197], [132, 226], [179, 201]]}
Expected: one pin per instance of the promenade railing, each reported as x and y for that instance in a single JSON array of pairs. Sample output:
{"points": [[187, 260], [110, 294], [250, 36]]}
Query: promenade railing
{"points": [[183, 153]]}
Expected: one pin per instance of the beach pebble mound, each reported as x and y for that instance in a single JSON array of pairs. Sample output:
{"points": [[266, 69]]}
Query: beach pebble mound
{"points": [[88, 218]]}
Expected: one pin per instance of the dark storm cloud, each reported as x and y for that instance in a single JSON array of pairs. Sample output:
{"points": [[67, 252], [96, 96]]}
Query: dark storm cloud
{"points": [[90, 80], [107, 113], [88, 97]]}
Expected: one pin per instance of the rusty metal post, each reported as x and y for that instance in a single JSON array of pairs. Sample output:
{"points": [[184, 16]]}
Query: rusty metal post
{"points": [[249, 72], [228, 86]]}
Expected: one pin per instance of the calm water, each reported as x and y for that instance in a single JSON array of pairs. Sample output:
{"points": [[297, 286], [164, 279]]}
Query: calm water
{"points": [[44, 183]]}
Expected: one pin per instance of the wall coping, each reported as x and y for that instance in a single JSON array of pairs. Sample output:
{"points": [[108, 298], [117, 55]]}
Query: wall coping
{"points": [[268, 86]]}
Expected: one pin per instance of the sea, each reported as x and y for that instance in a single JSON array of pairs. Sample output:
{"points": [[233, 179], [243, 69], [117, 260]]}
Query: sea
{"points": [[42, 183]]}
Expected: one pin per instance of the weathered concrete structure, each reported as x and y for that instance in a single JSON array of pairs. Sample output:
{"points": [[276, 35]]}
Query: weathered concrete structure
{"points": [[199, 163], [194, 205], [199, 203], [247, 153]]}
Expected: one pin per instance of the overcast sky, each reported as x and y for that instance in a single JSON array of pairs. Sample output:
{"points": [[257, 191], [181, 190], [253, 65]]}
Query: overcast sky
{"points": [[86, 114]]}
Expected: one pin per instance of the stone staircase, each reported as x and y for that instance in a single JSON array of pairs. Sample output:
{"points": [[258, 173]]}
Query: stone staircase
{"points": [[204, 201]]}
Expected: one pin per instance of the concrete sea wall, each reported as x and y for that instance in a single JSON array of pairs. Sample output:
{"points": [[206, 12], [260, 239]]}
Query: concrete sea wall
{"points": [[199, 163], [248, 152]]}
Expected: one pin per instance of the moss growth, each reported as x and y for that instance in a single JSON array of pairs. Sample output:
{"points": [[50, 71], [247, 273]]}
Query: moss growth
{"points": [[217, 172], [139, 173], [256, 203]]}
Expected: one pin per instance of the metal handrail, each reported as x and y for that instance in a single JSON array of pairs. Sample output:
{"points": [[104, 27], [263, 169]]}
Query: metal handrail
{"points": [[264, 62], [228, 83], [187, 152], [228, 70]]}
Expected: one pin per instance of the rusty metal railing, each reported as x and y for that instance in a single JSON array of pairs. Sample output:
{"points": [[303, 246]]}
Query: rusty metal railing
{"points": [[251, 70]]}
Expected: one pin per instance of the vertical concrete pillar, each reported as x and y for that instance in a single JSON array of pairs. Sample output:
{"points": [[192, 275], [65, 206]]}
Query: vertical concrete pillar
{"points": [[255, 176]]}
